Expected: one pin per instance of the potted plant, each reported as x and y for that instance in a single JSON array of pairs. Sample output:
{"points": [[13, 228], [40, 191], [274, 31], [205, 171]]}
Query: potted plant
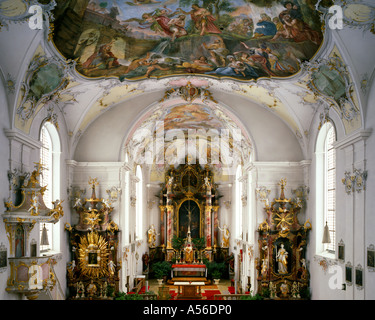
{"points": [[161, 270], [216, 275], [215, 270]]}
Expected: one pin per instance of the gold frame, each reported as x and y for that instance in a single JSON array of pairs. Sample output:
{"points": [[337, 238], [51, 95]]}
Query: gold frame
{"points": [[201, 224], [93, 243]]}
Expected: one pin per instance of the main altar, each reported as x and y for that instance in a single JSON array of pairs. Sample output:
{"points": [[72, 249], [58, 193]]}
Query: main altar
{"points": [[189, 230]]}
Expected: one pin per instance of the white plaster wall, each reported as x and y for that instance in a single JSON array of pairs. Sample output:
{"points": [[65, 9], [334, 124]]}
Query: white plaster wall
{"points": [[369, 234], [4, 186]]}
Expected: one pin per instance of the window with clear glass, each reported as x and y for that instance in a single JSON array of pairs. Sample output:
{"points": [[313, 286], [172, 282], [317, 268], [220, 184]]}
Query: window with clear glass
{"points": [[50, 177], [330, 187]]}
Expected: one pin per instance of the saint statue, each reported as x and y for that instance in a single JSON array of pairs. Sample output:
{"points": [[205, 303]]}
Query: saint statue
{"points": [[284, 288], [225, 236], [91, 289], [264, 268], [208, 185], [170, 184], [281, 258], [151, 236], [111, 267]]}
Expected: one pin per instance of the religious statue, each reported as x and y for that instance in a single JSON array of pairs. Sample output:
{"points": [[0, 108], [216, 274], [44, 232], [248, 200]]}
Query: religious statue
{"points": [[264, 268], [295, 290], [34, 208], [281, 258], [71, 268], [77, 203], [304, 273], [106, 203], [111, 267], [208, 185], [151, 236], [225, 236], [272, 290], [145, 259], [105, 289], [169, 184], [284, 288], [80, 289], [91, 288]]}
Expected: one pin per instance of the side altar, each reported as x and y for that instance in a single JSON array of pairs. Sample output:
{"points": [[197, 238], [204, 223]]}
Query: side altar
{"points": [[282, 266], [93, 273]]}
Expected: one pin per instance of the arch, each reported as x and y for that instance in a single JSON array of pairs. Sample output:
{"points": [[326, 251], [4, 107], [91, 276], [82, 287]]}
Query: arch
{"points": [[50, 154], [325, 186]]}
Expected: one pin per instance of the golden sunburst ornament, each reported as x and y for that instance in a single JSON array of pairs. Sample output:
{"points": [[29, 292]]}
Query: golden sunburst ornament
{"points": [[93, 255]]}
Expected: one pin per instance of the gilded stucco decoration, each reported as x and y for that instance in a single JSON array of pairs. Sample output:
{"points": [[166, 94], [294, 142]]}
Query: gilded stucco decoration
{"points": [[331, 79], [359, 14], [356, 181], [45, 77]]}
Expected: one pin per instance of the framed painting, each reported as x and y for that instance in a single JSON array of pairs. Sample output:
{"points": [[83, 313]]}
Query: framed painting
{"points": [[348, 274], [371, 258], [3, 258], [341, 251], [189, 217], [359, 277]]}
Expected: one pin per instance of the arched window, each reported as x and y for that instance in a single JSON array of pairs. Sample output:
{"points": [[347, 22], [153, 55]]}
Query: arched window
{"points": [[326, 188], [139, 204], [50, 159], [238, 188]]}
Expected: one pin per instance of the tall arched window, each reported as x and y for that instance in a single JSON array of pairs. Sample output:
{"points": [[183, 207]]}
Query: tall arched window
{"points": [[139, 204], [326, 187], [50, 159]]}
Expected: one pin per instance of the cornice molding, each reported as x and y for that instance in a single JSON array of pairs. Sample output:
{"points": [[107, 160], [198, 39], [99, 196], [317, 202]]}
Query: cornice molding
{"points": [[22, 138], [360, 135]]}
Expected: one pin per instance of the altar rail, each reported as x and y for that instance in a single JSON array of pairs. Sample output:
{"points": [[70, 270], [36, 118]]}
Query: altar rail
{"points": [[147, 296], [229, 296]]}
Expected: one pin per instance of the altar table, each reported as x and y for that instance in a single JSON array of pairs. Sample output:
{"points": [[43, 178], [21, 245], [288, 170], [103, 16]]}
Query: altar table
{"points": [[189, 289], [200, 269]]}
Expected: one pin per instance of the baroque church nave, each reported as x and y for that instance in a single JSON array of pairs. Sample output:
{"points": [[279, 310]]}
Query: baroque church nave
{"points": [[173, 151]]}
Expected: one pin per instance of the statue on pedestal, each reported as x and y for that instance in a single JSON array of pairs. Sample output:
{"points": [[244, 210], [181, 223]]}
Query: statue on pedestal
{"points": [[281, 258]]}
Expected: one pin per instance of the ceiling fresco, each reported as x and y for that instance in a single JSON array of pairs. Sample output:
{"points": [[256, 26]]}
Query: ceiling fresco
{"points": [[207, 129], [241, 39]]}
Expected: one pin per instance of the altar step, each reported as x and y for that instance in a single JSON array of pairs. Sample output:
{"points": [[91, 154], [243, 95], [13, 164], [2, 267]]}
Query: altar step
{"points": [[195, 279]]}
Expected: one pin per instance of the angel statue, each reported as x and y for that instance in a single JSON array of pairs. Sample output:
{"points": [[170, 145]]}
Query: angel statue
{"points": [[34, 208], [208, 185], [77, 203]]}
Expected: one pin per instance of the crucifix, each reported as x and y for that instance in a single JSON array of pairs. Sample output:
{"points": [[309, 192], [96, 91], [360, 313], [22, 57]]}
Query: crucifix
{"points": [[189, 219]]}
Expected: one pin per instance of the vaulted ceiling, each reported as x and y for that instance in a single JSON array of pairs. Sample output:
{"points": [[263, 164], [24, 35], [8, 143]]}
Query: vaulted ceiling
{"points": [[78, 101]]}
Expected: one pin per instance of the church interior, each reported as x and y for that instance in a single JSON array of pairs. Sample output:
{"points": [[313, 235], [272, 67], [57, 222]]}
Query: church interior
{"points": [[187, 150]]}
